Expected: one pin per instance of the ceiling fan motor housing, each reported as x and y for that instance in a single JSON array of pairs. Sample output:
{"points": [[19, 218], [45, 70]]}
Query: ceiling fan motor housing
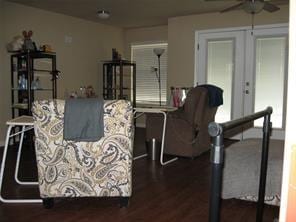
{"points": [[253, 6]]}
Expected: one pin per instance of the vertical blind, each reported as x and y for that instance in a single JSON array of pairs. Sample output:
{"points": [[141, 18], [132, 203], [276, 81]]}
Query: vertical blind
{"points": [[147, 88]]}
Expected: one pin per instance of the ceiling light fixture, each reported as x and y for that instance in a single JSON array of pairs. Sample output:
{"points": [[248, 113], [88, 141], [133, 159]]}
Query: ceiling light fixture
{"points": [[103, 14]]}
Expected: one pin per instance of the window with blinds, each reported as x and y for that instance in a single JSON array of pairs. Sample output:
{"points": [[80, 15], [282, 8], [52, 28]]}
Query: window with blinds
{"points": [[147, 87]]}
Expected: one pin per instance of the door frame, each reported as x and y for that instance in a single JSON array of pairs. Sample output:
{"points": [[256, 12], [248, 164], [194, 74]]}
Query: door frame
{"points": [[238, 39], [244, 29], [277, 133], [240, 28]]}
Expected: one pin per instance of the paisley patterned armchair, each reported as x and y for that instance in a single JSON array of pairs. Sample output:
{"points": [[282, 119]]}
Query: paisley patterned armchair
{"points": [[84, 169]]}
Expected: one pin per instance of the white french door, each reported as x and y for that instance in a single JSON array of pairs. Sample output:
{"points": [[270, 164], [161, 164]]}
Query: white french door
{"points": [[250, 66]]}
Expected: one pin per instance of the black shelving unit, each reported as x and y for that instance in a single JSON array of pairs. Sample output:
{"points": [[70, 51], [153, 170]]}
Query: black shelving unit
{"points": [[115, 73], [26, 65]]}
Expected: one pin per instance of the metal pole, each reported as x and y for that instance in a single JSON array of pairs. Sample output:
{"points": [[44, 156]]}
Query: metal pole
{"points": [[134, 84], [216, 131], [104, 81], [263, 171], [159, 81], [216, 178], [54, 77], [120, 79], [29, 64], [238, 122]]}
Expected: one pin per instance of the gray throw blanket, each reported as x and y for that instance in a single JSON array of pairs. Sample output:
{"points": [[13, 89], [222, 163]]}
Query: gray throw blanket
{"points": [[83, 119]]}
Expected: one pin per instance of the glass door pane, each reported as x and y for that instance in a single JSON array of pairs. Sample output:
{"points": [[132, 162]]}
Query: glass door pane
{"points": [[270, 65], [220, 59]]}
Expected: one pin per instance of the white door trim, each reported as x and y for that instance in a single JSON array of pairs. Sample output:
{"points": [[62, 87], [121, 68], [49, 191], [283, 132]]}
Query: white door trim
{"points": [[258, 31], [238, 62], [277, 133], [231, 29]]}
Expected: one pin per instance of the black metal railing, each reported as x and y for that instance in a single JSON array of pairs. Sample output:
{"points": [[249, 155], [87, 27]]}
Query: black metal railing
{"points": [[217, 131]]}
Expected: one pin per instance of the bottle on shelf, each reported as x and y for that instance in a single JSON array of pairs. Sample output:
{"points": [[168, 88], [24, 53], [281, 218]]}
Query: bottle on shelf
{"points": [[22, 82], [24, 64], [36, 84]]}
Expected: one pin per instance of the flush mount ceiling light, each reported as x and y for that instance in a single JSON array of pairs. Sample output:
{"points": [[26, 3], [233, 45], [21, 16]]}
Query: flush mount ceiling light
{"points": [[103, 14]]}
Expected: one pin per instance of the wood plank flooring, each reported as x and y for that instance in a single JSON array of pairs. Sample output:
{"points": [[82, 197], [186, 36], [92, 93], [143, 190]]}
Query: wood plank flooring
{"points": [[178, 192]]}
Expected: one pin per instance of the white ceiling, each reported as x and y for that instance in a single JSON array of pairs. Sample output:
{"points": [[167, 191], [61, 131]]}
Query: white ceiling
{"points": [[133, 13]]}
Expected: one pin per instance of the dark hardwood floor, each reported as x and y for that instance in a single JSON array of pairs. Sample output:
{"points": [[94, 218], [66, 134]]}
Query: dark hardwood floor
{"points": [[176, 192]]}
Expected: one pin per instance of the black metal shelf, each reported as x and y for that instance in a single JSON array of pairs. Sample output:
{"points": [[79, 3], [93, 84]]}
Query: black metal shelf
{"points": [[113, 76], [43, 70], [20, 106], [118, 88], [43, 89], [35, 54], [23, 66]]}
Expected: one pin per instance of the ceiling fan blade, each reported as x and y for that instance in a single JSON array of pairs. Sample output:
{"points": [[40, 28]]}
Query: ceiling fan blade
{"points": [[270, 7], [237, 6], [219, 0]]}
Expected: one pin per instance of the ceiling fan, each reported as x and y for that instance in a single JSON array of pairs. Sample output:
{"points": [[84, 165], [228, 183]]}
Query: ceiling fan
{"points": [[253, 6]]}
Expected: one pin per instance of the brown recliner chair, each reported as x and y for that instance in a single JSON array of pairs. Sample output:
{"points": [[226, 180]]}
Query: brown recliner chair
{"points": [[187, 128]]}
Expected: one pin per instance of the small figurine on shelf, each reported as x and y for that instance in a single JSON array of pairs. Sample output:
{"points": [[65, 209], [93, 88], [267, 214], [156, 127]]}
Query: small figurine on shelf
{"points": [[16, 44], [115, 55], [28, 43], [46, 48], [73, 95], [82, 93], [90, 92]]}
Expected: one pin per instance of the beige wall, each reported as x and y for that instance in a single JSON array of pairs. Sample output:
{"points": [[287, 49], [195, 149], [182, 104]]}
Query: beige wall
{"points": [[79, 62], [180, 35], [92, 42], [143, 35], [140, 36], [181, 38], [4, 109]]}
